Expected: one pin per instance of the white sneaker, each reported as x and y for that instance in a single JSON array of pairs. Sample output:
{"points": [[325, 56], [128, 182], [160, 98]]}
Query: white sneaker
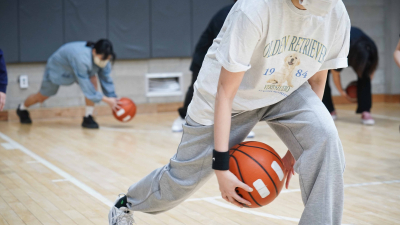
{"points": [[177, 125], [120, 216], [251, 134], [367, 119]]}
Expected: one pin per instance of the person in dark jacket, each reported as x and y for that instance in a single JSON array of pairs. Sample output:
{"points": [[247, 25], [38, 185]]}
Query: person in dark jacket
{"points": [[204, 43], [3, 81], [363, 58]]}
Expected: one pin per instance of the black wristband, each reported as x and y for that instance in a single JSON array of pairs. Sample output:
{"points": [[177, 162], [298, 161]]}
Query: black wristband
{"points": [[220, 160]]}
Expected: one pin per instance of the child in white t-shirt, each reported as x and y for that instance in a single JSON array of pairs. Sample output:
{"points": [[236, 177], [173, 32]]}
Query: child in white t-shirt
{"points": [[268, 63]]}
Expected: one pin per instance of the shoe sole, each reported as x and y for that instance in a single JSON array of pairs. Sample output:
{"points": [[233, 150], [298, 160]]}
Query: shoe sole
{"points": [[88, 127], [177, 130], [110, 215], [368, 123]]}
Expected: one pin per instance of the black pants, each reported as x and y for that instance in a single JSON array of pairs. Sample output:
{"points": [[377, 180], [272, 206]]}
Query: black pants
{"points": [[364, 95], [189, 95]]}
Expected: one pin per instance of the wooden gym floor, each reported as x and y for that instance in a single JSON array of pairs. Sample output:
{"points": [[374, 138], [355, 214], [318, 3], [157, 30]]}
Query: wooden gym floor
{"points": [[55, 172]]}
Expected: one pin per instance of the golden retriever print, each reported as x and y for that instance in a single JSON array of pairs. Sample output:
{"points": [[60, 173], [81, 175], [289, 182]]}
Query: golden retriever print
{"points": [[285, 74]]}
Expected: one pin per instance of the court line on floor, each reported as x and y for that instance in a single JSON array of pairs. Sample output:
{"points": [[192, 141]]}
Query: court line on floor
{"points": [[101, 198], [128, 130], [58, 171], [212, 200], [59, 180], [298, 190], [8, 146], [235, 208], [252, 212], [373, 115]]}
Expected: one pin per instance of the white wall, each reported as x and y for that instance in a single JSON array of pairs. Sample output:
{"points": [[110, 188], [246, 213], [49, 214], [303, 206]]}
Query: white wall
{"points": [[128, 76]]}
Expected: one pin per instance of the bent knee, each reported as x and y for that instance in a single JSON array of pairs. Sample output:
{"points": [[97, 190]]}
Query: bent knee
{"points": [[327, 133], [330, 140]]}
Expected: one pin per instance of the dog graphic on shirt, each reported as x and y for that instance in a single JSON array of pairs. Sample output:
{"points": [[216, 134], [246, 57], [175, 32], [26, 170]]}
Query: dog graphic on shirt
{"points": [[285, 74]]}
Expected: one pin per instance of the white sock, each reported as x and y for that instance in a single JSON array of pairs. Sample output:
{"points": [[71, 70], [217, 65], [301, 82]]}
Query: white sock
{"points": [[89, 111], [22, 106]]}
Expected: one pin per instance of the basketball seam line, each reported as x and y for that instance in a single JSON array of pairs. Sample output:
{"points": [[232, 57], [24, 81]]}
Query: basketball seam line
{"points": [[263, 149], [241, 177], [276, 189]]}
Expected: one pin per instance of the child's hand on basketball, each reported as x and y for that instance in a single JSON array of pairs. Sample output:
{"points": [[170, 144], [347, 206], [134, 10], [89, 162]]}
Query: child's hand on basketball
{"points": [[228, 182], [288, 162], [112, 102]]}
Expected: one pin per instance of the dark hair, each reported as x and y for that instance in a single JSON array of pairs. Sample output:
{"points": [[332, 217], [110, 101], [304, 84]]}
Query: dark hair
{"points": [[363, 57], [103, 46]]}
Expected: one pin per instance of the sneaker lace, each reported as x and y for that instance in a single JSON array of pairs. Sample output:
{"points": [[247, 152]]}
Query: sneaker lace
{"points": [[125, 218]]}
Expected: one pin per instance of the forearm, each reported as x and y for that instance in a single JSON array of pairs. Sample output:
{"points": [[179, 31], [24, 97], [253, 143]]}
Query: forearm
{"points": [[228, 85], [109, 91], [107, 85], [222, 121], [88, 88], [319, 90], [92, 94], [106, 99], [337, 81], [317, 83], [396, 56], [93, 80]]}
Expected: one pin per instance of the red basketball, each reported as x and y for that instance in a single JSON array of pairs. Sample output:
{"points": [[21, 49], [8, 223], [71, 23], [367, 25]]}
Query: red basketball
{"points": [[259, 166], [351, 90], [127, 110]]}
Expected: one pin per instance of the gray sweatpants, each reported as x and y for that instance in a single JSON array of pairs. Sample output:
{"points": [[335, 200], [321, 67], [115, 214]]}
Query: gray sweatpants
{"points": [[301, 121]]}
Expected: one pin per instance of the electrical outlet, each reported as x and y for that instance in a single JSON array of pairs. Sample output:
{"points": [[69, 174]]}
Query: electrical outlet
{"points": [[23, 81]]}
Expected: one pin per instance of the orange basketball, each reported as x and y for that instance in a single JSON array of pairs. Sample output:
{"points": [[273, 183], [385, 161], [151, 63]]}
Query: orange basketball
{"points": [[259, 166], [351, 90], [127, 110]]}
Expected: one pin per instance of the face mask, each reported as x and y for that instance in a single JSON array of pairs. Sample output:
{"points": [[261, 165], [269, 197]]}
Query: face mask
{"points": [[319, 7], [100, 63]]}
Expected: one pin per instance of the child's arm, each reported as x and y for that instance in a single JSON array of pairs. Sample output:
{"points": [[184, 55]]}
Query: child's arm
{"points": [[228, 85], [338, 82], [396, 54], [317, 83]]}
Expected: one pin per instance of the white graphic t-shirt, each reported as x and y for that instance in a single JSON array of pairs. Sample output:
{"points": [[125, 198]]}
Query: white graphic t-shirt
{"points": [[278, 45]]}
